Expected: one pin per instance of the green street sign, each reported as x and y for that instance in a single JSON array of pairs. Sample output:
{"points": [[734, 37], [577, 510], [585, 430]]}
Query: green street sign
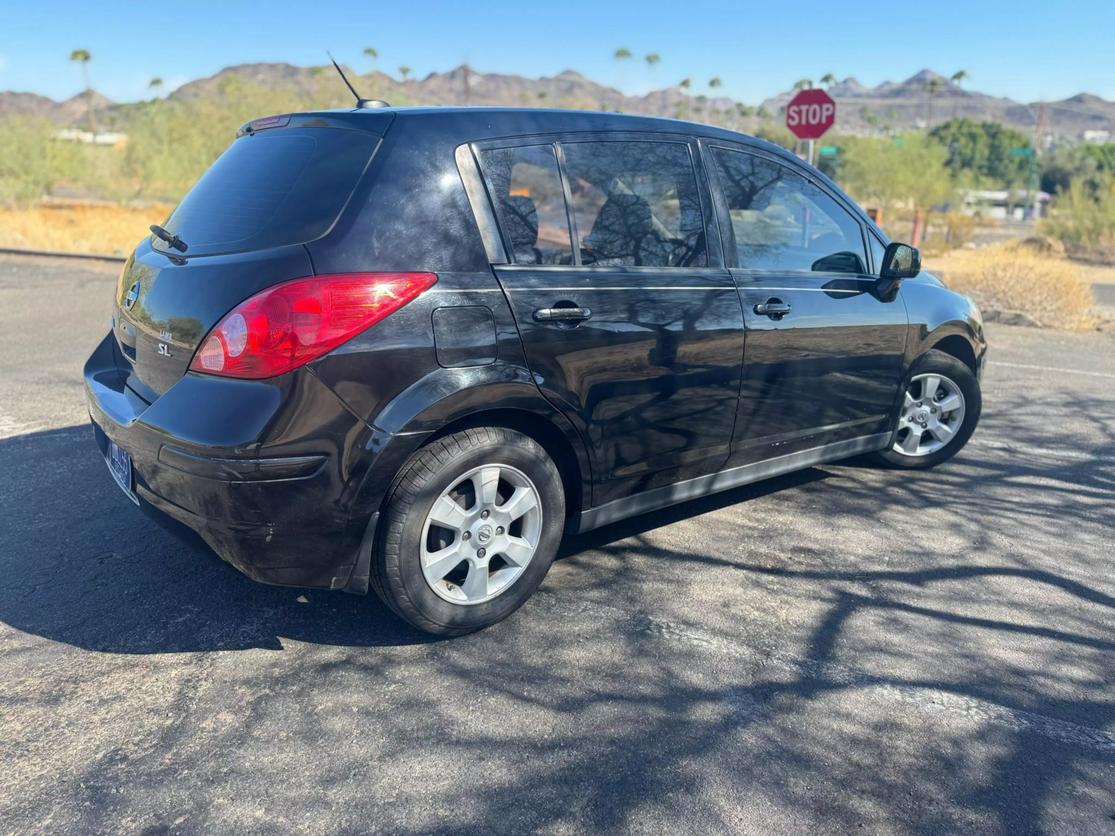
{"points": [[1022, 152], [828, 150]]}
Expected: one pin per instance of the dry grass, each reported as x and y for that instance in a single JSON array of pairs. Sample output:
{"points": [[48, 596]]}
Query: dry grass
{"points": [[1050, 290], [104, 229]]}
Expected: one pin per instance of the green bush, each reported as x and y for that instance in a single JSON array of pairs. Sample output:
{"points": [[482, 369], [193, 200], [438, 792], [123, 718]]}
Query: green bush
{"points": [[1084, 218]]}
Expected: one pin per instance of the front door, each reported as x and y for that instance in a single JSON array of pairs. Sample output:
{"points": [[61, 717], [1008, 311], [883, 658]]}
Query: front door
{"points": [[631, 325], [825, 351]]}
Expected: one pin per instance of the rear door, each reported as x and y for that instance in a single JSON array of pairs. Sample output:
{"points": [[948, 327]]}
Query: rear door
{"points": [[630, 322], [824, 350]]}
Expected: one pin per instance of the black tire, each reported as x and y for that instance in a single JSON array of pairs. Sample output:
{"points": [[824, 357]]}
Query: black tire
{"points": [[397, 575], [938, 362]]}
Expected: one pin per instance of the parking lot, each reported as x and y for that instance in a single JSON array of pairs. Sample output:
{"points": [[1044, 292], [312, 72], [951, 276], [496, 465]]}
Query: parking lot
{"points": [[838, 649]]}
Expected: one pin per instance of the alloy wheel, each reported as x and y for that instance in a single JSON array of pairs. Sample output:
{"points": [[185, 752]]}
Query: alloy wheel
{"points": [[480, 534], [932, 413]]}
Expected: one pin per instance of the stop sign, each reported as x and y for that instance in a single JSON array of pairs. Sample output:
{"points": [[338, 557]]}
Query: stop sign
{"points": [[810, 113]]}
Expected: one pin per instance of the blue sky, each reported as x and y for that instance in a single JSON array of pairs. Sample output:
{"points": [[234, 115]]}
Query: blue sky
{"points": [[1023, 49]]}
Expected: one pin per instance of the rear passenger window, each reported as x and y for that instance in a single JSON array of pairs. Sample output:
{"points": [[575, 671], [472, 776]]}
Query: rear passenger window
{"points": [[636, 204], [781, 221], [526, 188]]}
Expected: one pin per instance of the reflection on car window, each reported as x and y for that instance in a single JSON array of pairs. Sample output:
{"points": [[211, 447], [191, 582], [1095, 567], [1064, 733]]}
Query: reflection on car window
{"points": [[530, 203], [782, 221], [636, 204]]}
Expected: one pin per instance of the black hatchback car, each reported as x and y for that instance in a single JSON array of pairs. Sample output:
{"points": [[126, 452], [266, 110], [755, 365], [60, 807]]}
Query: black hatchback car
{"points": [[409, 348]]}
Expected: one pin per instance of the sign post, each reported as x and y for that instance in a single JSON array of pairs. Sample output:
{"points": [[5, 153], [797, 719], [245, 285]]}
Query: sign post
{"points": [[809, 115]]}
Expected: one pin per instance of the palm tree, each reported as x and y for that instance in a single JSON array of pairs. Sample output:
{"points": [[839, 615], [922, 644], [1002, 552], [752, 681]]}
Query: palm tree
{"points": [[933, 86], [155, 85], [828, 79], [371, 54], [803, 84], [958, 78], [713, 83], [84, 56], [622, 54], [652, 58], [685, 83], [404, 71]]}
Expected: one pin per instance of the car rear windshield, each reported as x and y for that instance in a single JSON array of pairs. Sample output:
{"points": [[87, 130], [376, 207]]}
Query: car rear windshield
{"points": [[272, 188]]}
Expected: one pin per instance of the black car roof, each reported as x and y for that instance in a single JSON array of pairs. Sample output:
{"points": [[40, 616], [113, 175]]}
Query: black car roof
{"points": [[479, 123]]}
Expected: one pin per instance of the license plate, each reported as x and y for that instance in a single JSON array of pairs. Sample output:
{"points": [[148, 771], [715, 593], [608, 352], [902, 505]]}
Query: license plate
{"points": [[120, 466]]}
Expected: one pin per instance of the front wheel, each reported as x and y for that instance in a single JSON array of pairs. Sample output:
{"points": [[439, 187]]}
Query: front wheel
{"points": [[471, 528], [940, 409]]}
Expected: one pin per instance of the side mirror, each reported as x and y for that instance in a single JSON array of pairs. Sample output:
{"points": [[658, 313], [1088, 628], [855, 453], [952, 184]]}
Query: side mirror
{"points": [[900, 261]]}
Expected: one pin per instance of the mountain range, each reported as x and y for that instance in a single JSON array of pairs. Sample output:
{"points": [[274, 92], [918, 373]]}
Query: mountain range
{"points": [[924, 99]]}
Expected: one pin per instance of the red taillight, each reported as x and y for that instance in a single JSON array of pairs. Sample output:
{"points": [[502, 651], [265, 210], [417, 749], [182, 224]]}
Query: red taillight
{"points": [[285, 326]]}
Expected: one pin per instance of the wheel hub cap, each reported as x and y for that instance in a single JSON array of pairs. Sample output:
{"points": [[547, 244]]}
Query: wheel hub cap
{"points": [[931, 415], [480, 534]]}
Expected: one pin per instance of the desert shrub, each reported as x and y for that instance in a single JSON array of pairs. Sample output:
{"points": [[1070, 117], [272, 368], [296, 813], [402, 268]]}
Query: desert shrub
{"points": [[25, 172], [1048, 290], [1084, 218]]}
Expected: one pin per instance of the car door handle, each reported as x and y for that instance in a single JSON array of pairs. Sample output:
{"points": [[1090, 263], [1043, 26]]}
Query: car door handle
{"points": [[563, 314], [774, 308]]}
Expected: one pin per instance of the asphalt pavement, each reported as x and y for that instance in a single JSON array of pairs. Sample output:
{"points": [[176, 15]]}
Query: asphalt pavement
{"points": [[840, 649]]}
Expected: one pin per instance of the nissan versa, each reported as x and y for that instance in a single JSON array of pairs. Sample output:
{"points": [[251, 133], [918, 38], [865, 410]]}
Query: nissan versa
{"points": [[409, 348]]}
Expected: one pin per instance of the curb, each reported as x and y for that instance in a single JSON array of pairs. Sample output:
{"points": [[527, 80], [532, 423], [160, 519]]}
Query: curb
{"points": [[119, 259]]}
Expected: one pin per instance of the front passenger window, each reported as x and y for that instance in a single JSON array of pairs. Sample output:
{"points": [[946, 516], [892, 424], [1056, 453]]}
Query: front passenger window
{"points": [[783, 222]]}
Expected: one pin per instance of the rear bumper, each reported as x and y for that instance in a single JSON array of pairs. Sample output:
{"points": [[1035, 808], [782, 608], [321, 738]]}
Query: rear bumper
{"points": [[271, 474]]}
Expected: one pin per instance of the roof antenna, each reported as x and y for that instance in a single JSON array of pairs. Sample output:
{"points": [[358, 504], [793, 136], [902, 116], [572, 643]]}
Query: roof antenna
{"points": [[360, 102]]}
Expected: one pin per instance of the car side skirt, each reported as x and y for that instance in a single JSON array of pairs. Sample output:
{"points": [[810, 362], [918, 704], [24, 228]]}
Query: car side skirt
{"points": [[726, 479]]}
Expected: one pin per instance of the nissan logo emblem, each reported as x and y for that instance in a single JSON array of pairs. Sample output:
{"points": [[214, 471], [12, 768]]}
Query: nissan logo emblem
{"points": [[131, 296]]}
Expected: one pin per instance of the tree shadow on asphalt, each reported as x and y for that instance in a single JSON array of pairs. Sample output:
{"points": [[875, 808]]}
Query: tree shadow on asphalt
{"points": [[98, 575]]}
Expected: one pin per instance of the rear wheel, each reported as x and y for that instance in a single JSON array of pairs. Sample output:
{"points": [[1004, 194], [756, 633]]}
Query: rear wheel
{"points": [[940, 409], [470, 530]]}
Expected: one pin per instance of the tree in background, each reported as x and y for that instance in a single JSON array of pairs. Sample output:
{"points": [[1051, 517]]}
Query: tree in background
{"points": [[371, 54], [404, 71], [83, 57], [933, 88], [622, 54], [958, 78], [803, 84], [714, 83], [652, 59], [155, 85], [1091, 165], [900, 173], [979, 153], [828, 79]]}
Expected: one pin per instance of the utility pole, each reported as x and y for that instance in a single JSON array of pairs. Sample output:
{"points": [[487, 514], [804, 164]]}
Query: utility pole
{"points": [[1034, 184]]}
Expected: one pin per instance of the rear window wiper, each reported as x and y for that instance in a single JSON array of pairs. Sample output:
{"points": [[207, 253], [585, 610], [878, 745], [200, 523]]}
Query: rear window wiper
{"points": [[172, 240]]}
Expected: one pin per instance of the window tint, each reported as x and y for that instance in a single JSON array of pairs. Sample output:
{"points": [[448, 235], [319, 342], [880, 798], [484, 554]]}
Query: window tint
{"points": [[272, 188], [636, 204], [530, 203], [782, 221]]}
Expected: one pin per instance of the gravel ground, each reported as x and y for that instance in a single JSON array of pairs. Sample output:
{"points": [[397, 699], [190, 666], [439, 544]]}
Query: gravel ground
{"points": [[839, 649]]}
